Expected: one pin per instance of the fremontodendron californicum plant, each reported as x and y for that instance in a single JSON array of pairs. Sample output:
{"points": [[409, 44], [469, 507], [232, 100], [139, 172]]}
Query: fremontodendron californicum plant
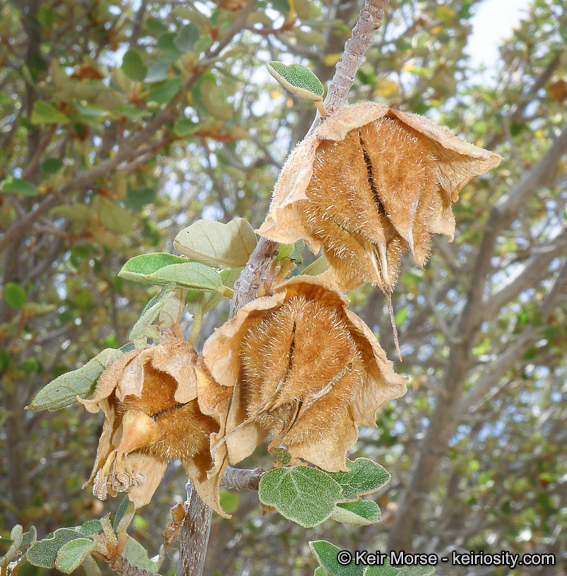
{"points": [[294, 366]]}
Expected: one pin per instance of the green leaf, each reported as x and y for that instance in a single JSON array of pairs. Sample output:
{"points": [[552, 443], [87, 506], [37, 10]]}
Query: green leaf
{"points": [[130, 112], [155, 25], [133, 66], [401, 315], [209, 98], [116, 219], [79, 214], [44, 552], [192, 275], [147, 264], [64, 390], [229, 501], [326, 554], [137, 198], [317, 267], [217, 244], [46, 113], [89, 528], [14, 295], [163, 92], [186, 39], [282, 456], [297, 79], [19, 186], [157, 72], [364, 477], [198, 303], [126, 511], [185, 127], [360, 513], [91, 114], [51, 165], [151, 312], [302, 494], [387, 570], [4, 359], [122, 509], [281, 6], [319, 571], [91, 567], [162, 269], [16, 536], [137, 556], [73, 554]]}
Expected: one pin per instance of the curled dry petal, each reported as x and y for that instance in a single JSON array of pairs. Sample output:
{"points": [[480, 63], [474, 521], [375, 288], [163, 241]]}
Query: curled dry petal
{"points": [[369, 184], [149, 400], [304, 370]]}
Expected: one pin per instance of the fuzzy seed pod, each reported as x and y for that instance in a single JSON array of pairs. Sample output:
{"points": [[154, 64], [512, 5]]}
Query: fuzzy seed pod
{"points": [[152, 416], [304, 370], [369, 184]]}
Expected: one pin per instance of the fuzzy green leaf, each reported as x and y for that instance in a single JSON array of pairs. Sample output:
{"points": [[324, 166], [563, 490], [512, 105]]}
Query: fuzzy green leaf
{"points": [[186, 39], [137, 556], [73, 554], [302, 494], [326, 554], [387, 570], [52, 165], [14, 295], [133, 66], [163, 92], [297, 79], [64, 390], [189, 275], [360, 513], [363, 477], [217, 244], [18, 186], [89, 528], [317, 267], [46, 113], [151, 312], [199, 302], [124, 515], [44, 552], [139, 268]]}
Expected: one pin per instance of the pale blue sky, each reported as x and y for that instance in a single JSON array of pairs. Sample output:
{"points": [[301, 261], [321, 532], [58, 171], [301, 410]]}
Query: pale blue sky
{"points": [[493, 21]]}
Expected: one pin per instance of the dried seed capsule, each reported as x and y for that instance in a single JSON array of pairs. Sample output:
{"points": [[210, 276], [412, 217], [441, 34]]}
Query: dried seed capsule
{"points": [[152, 416], [304, 371], [369, 184]]}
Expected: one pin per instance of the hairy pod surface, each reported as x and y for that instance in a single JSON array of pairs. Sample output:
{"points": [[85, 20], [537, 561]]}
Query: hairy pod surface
{"points": [[368, 185], [149, 398], [305, 371]]}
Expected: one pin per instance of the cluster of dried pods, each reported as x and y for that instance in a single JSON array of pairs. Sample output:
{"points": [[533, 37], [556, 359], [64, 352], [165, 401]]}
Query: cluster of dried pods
{"points": [[295, 364]]}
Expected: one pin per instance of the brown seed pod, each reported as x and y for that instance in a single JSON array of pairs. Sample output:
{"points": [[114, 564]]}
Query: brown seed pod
{"points": [[150, 402], [304, 370], [369, 184]]}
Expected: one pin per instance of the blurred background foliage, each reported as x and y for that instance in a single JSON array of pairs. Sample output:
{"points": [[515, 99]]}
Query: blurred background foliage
{"points": [[123, 121]]}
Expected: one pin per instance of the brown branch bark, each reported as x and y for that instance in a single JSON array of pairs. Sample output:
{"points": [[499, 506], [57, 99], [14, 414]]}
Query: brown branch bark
{"points": [[241, 478], [123, 567]]}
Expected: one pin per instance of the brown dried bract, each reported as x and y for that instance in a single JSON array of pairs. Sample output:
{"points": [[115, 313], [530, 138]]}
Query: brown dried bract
{"points": [[304, 370], [152, 416], [370, 183]]}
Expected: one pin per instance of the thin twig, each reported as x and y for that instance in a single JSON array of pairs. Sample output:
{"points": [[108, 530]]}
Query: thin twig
{"points": [[241, 478]]}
